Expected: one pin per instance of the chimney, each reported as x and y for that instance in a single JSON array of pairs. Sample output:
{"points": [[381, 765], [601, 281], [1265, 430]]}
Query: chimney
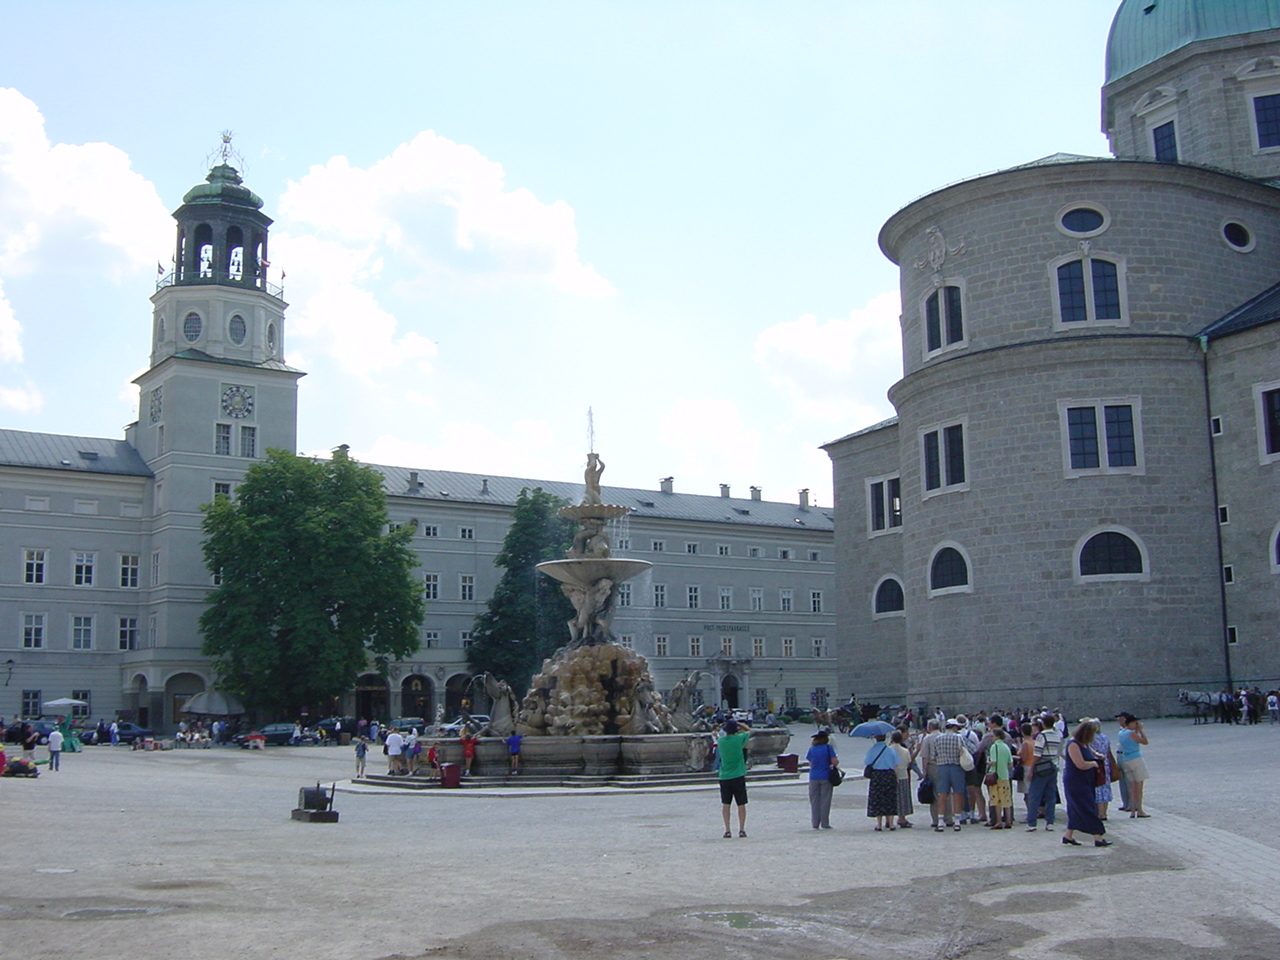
{"points": [[755, 493], [484, 487], [724, 490], [667, 484], [804, 499], [413, 479]]}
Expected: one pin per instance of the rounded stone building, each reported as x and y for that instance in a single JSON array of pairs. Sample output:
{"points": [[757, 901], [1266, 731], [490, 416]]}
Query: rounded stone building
{"points": [[1064, 511]]}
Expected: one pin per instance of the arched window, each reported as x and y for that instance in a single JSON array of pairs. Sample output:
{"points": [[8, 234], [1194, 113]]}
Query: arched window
{"points": [[235, 253], [889, 597], [1089, 289], [1110, 553], [203, 250], [1275, 549], [948, 570]]}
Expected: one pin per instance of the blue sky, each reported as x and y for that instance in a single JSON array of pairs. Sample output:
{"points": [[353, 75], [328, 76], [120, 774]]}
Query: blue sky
{"points": [[496, 215]]}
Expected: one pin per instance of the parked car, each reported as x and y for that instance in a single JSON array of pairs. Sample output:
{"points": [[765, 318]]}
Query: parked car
{"points": [[273, 735], [405, 724], [477, 722], [13, 732], [131, 732], [328, 724]]}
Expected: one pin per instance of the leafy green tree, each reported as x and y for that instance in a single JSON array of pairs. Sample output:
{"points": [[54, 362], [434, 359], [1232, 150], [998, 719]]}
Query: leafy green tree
{"points": [[526, 618], [311, 587]]}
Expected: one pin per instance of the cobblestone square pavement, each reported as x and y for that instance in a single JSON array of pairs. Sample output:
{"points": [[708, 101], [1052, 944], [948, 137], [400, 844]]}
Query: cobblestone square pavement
{"points": [[191, 854]]}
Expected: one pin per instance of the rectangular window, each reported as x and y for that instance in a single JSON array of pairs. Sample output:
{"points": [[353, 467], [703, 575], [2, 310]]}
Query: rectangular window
{"points": [[626, 641], [1266, 114], [819, 698], [757, 646], [248, 442], [466, 587], [32, 703], [815, 601], [33, 632], [216, 577], [788, 646], [1071, 298], [659, 646], [953, 449], [789, 697], [942, 450], [624, 543], [1228, 574], [932, 461], [129, 567], [658, 546], [1233, 636], [155, 568], [153, 632], [659, 594], [221, 488], [464, 639], [694, 596], [127, 635], [762, 698], [430, 530], [757, 598], [726, 598], [1215, 426], [722, 549], [624, 594], [431, 639], [1270, 411], [222, 439], [884, 506], [82, 565], [82, 711], [431, 586], [1224, 515], [1114, 449], [82, 633], [814, 556], [466, 533], [726, 646], [784, 553], [691, 548], [33, 566], [784, 601], [819, 647], [695, 646], [944, 319], [753, 553], [1164, 140]]}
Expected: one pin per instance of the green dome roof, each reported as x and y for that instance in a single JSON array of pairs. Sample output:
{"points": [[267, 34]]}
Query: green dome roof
{"points": [[225, 186], [1143, 31]]}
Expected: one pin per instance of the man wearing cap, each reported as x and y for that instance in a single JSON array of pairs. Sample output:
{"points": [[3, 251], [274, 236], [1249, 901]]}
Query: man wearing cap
{"points": [[949, 784], [731, 749]]}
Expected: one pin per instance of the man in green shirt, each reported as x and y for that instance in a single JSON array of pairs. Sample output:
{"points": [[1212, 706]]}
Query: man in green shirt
{"points": [[733, 773]]}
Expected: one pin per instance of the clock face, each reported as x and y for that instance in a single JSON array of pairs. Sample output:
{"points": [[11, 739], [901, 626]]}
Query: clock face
{"points": [[237, 402]]}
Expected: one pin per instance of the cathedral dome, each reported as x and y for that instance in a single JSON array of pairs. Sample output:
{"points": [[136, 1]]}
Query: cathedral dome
{"points": [[225, 185], [1143, 31]]}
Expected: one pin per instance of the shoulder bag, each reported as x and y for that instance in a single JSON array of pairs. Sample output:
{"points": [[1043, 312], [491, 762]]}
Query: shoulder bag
{"points": [[866, 771], [966, 758], [836, 776]]}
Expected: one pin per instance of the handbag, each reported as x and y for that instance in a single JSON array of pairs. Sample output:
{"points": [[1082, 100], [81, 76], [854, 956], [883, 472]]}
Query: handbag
{"points": [[866, 771], [835, 777], [1044, 767], [990, 779], [925, 792], [1113, 766]]}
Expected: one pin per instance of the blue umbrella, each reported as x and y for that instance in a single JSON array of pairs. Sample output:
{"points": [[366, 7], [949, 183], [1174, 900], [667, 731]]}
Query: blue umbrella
{"points": [[872, 728]]}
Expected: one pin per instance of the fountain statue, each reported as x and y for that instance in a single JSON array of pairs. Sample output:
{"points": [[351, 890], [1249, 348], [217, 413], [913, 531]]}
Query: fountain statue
{"points": [[592, 686]]}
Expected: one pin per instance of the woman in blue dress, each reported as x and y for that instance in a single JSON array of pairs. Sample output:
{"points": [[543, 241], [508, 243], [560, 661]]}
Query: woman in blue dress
{"points": [[822, 758], [1079, 782], [882, 790]]}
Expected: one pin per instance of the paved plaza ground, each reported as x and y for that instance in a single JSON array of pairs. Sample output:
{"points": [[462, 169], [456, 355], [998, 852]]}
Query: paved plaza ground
{"points": [[191, 855]]}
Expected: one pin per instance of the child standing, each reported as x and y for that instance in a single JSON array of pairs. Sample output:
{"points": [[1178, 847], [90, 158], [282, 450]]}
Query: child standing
{"points": [[362, 751]]}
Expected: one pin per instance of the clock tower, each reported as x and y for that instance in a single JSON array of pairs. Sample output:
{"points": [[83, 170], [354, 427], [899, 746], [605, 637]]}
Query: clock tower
{"points": [[217, 395]]}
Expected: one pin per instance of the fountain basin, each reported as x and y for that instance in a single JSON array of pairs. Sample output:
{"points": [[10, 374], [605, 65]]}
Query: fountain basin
{"points": [[585, 572]]}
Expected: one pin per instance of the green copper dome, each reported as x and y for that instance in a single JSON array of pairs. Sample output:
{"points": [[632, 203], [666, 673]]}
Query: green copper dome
{"points": [[1143, 31], [225, 186]]}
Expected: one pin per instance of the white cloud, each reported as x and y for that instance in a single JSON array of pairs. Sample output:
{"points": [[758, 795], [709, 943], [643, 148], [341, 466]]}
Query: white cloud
{"points": [[709, 443], [838, 370], [526, 448], [10, 332], [24, 399]]}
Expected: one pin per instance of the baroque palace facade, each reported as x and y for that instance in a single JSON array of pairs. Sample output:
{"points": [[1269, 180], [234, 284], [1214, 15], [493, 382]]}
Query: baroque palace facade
{"points": [[1078, 501], [102, 579]]}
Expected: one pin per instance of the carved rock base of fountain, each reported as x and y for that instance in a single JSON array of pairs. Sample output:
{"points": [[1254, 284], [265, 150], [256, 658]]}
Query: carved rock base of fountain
{"points": [[592, 691]]}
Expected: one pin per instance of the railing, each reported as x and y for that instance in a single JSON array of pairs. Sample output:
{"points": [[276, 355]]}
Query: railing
{"points": [[170, 279]]}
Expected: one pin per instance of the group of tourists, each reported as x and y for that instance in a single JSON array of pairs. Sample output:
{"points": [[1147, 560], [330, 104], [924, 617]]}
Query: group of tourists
{"points": [[968, 772], [407, 753]]}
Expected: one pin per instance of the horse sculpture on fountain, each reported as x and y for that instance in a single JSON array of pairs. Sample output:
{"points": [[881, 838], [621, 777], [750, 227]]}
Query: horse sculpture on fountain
{"points": [[505, 709]]}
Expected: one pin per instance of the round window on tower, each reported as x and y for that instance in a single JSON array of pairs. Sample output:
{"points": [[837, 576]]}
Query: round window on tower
{"points": [[271, 338], [191, 327], [1083, 220], [1237, 236], [237, 329]]}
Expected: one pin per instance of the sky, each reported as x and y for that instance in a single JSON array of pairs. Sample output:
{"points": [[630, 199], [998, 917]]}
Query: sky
{"points": [[493, 217]]}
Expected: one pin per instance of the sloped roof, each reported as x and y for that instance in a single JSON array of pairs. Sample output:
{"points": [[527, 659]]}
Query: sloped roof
{"points": [[53, 451], [191, 353], [1261, 310], [443, 485], [883, 424]]}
